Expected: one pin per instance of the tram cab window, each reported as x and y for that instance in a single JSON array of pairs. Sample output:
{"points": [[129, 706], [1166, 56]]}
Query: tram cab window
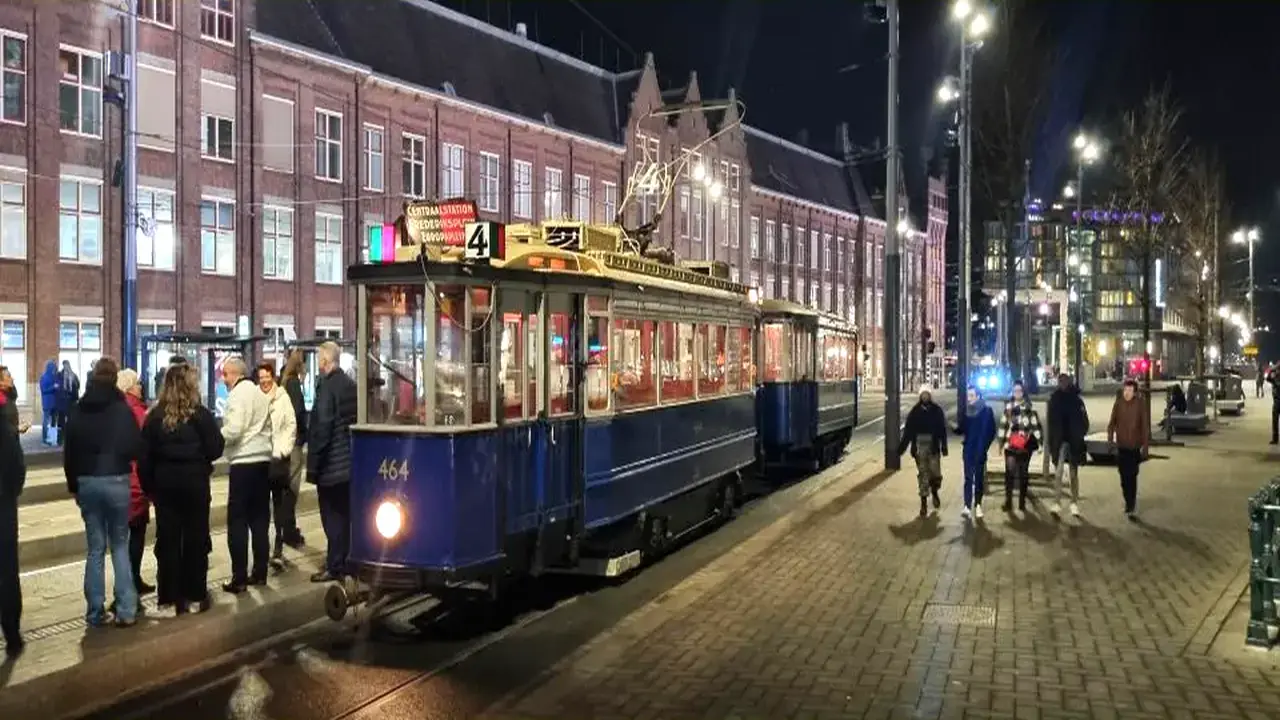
{"points": [[513, 348], [560, 366], [676, 346], [711, 359], [450, 367], [733, 360], [597, 378], [481, 354], [634, 367], [392, 378], [776, 341], [748, 378]]}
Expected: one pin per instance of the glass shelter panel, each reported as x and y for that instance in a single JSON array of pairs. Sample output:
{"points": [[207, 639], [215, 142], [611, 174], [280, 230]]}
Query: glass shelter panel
{"points": [[393, 384]]}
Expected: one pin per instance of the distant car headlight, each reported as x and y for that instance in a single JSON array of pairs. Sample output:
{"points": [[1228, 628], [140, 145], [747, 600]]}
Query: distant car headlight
{"points": [[389, 519], [982, 382]]}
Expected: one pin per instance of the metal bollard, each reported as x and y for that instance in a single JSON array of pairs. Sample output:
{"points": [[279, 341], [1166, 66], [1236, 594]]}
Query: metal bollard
{"points": [[1261, 594]]}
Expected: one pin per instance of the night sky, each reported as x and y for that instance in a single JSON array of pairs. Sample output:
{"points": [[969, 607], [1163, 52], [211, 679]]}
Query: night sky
{"points": [[785, 60]]}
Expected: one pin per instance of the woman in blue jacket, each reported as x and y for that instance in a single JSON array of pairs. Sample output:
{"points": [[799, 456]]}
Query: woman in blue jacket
{"points": [[978, 426], [49, 382]]}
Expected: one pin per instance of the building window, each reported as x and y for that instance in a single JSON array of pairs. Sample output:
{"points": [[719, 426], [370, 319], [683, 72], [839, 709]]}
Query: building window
{"points": [[698, 220], [735, 179], [723, 227], [218, 237], [840, 254], [218, 140], [755, 279], [770, 239], [159, 12], [734, 274], [80, 343], [13, 220], [686, 216], [328, 249], [582, 198], [826, 251], [813, 249], [156, 234], [277, 243], [413, 165], [553, 195], [610, 192], [786, 243], [490, 182], [840, 300], [80, 221], [13, 350], [217, 20], [755, 236], [522, 189], [735, 223], [15, 78], [80, 92], [374, 154], [453, 176], [879, 310], [328, 145], [866, 259], [786, 287]]}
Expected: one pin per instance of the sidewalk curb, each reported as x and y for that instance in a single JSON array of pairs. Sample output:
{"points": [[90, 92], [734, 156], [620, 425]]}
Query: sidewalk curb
{"points": [[831, 496], [46, 490]]}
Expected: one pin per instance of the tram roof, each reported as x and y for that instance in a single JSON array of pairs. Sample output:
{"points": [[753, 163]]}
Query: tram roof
{"points": [[212, 341], [775, 307]]}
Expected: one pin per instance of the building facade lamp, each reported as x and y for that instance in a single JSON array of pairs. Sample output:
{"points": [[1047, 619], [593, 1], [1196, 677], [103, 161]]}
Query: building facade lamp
{"points": [[1224, 312]]}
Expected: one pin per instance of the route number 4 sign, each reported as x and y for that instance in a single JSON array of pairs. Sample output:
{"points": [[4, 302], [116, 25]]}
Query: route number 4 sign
{"points": [[485, 241]]}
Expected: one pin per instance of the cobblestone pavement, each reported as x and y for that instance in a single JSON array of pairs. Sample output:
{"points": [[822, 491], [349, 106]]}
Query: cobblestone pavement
{"points": [[869, 611]]}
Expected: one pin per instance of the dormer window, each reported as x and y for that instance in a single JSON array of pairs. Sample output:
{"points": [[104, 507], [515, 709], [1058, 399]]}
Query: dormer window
{"points": [[449, 89], [548, 118]]}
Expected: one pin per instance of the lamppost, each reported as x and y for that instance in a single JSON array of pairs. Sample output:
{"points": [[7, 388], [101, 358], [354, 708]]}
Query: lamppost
{"points": [[1249, 236], [974, 24], [1087, 152]]}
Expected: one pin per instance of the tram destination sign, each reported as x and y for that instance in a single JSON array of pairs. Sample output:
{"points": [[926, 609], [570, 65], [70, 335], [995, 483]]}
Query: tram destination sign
{"points": [[441, 224]]}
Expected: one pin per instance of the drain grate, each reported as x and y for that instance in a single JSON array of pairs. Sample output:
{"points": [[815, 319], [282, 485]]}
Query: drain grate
{"points": [[966, 615]]}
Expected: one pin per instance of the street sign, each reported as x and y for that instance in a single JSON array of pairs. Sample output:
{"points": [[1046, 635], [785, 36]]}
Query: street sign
{"points": [[1250, 351]]}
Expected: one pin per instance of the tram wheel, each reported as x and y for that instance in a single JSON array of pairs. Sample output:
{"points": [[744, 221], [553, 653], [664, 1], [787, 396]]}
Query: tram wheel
{"points": [[655, 536], [728, 505]]}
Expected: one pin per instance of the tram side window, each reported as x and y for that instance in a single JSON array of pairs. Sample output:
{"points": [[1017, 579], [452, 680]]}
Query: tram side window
{"points": [[710, 360], [450, 370], [393, 379], [733, 360], [481, 355], [828, 355], [511, 360], [560, 367], [748, 358], [597, 378], [851, 357], [676, 347], [776, 341], [803, 354], [634, 368]]}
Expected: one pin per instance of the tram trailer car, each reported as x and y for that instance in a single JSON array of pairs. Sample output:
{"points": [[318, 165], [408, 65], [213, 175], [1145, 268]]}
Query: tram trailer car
{"points": [[567, 407]]}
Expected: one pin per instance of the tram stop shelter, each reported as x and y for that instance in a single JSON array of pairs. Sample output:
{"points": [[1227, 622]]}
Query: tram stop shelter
{"points": [[206, 351], [310, 352]]}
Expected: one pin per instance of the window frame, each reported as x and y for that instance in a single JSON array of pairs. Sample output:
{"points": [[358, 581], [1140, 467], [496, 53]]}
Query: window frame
{"points": [[328, 242], [218, 232], [81, 182], [153, 17], [329, 143], [368, 131], [209, 9], [489, 199], [25, 73], [609, 200], [271, 233], [522, 192], [172, 222], [451, 172], [581, 199], [81, 88], [755, 237], [206, 146], [409, 164], [552, 194], [5, 207]]}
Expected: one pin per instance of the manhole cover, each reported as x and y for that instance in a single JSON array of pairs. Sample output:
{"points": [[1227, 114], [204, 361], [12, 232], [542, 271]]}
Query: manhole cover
{"points": [[970, 615]]}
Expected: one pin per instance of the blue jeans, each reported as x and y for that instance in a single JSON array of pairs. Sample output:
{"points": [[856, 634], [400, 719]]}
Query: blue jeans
{"points": [[50, 421], [975, 480], [104, 505]]}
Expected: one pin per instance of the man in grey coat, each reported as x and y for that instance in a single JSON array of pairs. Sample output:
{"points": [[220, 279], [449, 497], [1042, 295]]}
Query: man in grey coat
{"points": [[329, 458]]}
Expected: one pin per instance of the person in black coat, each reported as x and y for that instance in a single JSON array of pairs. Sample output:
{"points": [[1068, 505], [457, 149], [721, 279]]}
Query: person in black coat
{"points": [[13, 475], [181, 440], [329, 458], [926, 433], [1068, 424]]}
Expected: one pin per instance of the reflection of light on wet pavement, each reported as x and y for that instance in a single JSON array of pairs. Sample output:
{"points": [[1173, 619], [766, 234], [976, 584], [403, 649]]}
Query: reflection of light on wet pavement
{"points": [[249, 701], [313, 663]]}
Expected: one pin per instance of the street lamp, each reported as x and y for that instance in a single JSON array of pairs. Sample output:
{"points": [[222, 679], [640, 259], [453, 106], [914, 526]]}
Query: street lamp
{"points": [[1087, 152], [1249, 236]]}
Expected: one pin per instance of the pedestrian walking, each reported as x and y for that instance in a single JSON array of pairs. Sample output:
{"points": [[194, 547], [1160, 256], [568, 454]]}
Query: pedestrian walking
{"points": [[1068, 425], [1019, 439], [246, 428], [284, 436], [291, 377], [13, 475], [49, 403], [978, 426], [1273, 379], [100, 445], [139, 506], [925, 432], [181, 441], [1259, 380], [68, 394], [1129, 432], [329, 458]]}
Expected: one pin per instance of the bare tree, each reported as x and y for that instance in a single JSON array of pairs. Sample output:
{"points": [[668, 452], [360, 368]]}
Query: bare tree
{"points": [[1199, 208], [1011, 85], [1150, 161]]}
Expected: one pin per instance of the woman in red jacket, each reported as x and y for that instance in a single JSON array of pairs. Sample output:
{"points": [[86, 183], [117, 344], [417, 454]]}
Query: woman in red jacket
{"points": [[139, 506]]}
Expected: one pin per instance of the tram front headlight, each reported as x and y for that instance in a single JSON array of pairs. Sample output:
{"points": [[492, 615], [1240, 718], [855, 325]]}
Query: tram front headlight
{"points": [[388, 519]]}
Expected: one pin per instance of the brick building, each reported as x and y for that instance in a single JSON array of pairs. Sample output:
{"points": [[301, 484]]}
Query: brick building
{"points": [[350, 109]]}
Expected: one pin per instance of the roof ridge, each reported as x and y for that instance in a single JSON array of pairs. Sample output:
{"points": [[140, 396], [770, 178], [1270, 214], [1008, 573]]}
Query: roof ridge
{"points": [[752, 130]]}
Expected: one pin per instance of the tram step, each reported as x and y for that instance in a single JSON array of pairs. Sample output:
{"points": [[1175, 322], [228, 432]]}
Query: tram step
{"points": [[51, 533]]}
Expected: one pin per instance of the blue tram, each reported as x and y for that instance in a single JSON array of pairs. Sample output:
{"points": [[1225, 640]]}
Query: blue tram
{"points": [[567, 405]]}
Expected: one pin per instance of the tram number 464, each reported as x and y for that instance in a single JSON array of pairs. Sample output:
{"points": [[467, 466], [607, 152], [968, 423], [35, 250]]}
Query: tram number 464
{"points": [[391, 470], [485, 241]]}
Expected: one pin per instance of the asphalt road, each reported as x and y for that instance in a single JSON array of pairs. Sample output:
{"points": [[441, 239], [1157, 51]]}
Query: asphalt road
{"points": [[455, 665]]}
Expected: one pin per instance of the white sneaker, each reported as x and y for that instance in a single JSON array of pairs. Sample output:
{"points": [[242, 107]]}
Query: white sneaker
{"points": [[1075, 510], [1056, 508], [964, 513], [977, 511]]}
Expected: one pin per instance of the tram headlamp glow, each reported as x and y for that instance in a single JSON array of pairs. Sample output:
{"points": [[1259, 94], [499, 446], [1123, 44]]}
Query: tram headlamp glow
{"points": [[388, 519]]}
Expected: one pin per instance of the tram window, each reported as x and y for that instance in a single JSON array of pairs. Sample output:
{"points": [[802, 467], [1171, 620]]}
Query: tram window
{"points": [[560, 365], [776, 340], [633, 364], [733, 360], [393, 379], [748, 358], [676, 347], [851, 357], [533, 348], [710, 360], [511, 359], [597, 363], [450, 369], [481, 355], [803, 354]]}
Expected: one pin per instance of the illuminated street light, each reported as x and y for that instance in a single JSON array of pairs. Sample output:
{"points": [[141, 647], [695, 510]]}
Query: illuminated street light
{"points": [[961, 9], [904, 227], [947, 93], [716, 189], [979, 26], [1224, 312], [699, 173], [1044, 308], [1069, 192]]}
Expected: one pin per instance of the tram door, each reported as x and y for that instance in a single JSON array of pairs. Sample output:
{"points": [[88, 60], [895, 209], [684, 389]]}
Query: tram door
{"points": [[564, 364]]}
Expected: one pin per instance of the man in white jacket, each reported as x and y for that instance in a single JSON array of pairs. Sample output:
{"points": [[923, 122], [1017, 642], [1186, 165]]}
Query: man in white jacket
{"points": [[246, 428], [284, 436]]}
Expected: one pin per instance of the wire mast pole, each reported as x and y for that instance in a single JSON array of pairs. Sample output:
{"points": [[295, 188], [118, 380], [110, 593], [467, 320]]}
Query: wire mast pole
{"points": [[893, 262]]}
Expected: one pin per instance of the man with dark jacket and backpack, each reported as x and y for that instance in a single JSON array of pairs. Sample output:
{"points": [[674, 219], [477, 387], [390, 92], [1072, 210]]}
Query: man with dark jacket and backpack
{"points": [[926, 433], [1068, 424], [13, 474], [329, 458]]}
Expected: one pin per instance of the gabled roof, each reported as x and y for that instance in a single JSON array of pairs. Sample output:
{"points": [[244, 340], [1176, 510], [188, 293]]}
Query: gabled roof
{"points": [[427, 45], [785, 167]]}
